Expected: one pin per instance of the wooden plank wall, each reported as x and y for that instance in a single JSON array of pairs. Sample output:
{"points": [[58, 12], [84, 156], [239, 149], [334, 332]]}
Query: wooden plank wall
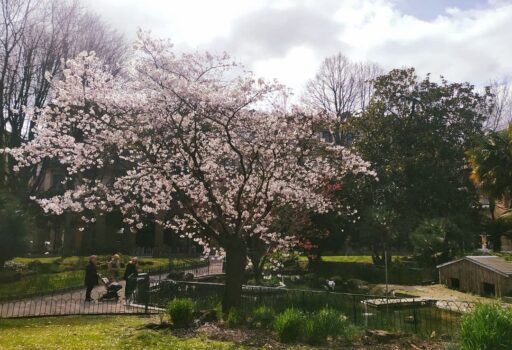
{"points": [[472, 276]]}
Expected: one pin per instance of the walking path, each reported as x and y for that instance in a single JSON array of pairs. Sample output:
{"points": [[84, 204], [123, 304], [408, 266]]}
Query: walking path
{"points": [[72, 302]]}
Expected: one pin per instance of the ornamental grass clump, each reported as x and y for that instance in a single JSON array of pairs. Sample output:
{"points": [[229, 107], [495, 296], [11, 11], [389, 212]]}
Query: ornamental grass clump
{"points": [[289, 325], [263, 316], [181, 312], [235, 318], [323, 324], [487, 327]]}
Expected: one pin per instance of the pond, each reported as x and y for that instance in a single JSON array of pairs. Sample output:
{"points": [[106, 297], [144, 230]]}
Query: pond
{"points": [[424, 320]]}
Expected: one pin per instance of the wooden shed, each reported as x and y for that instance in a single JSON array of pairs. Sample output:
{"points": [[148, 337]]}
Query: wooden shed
{"points": [[483, 275]]}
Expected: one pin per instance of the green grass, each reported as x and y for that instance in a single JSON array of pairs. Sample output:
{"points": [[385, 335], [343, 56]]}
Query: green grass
{"points": [[362, 259], [107, 332], [44, 260], [78, 262], [42, 283], [68, 273]]}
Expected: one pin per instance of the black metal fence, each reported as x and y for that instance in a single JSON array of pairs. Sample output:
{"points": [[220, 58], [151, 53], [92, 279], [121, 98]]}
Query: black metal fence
{"points": [[153, 292], [420, 316], [37, 285], [71, 300]]}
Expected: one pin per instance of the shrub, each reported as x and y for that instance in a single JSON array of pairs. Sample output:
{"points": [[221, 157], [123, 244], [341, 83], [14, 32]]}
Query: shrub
{"points": [[289, 325], [9, 276], [12, 265], [15, 228], [263, 316], [181, 312], [486, 328], [324, 323], [176, 275], [235, 318], [356, 285]]}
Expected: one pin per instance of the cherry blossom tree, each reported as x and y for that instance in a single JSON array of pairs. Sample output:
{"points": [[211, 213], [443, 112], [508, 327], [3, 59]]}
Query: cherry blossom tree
{"points": [[193, 131]]}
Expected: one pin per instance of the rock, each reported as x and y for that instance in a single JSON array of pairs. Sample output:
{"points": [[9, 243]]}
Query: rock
{"points": [[207, 316], [176, 275], [381, 335], [409, 319]]}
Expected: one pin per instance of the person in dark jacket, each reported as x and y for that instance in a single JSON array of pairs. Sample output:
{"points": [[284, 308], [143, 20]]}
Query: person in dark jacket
{"points": [[130, 276], [91, 277]]}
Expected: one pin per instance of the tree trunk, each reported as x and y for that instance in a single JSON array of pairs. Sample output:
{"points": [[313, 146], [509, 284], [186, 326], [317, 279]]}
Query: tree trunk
{"points": [[236, 260]]}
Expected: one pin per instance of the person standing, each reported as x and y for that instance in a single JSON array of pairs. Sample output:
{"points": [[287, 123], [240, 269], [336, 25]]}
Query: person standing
{"points": [[114, 266], [130, 276], [91, 277]]}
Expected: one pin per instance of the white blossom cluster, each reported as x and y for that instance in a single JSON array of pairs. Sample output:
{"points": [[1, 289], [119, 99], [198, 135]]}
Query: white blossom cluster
{"points": [[194, 132]]}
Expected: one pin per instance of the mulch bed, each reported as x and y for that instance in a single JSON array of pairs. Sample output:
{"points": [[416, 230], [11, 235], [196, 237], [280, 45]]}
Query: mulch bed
{"points": [[264, 338]]}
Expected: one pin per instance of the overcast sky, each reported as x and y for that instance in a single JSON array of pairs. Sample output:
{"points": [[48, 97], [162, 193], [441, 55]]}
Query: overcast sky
{"points": [[468, 40]]}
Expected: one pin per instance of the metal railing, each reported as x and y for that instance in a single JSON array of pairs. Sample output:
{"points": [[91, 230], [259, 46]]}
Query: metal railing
{"points": [[37, 285], [420, 316], [71, 301], [426, 317]]}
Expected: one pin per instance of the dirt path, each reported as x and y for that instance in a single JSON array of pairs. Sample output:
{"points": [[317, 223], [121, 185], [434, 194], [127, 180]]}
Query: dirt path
{"points": [[437, 292]]}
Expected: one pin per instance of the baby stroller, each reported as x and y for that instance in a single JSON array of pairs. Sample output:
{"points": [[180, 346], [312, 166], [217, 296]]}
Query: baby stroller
{"points": [[112, 289]]}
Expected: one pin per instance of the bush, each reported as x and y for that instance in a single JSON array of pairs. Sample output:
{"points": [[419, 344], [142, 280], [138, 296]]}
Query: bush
{"points": [[9, 276], [12, 265], [181, 312], [235, 318], [324, 323], [263, 316], [486, 328], [356, 285], [15, 228], [289, 325]]}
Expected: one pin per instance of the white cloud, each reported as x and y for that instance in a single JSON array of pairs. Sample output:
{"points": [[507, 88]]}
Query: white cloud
{"points": [[287, 39], [298, 62]]}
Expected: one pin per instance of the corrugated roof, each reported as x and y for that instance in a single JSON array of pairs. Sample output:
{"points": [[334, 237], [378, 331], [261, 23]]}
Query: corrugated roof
{"points": [[494, 263]]}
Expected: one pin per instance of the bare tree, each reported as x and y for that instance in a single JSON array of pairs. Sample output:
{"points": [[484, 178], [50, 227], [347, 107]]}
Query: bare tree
{"points": [[36, 37], [367, 73], [341, 88], [501, 114]]}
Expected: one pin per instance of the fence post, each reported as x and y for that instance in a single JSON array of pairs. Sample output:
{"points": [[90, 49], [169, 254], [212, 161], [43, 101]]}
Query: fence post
{"points": [[415, 320], [146, 297], [354, 308]]}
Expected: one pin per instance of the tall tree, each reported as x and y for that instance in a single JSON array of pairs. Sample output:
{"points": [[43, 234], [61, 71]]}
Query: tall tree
{"points": [[415, 133], [341, 88], [195, 131], [501, 113], [491, 166], [35, 38], [491, 172]]}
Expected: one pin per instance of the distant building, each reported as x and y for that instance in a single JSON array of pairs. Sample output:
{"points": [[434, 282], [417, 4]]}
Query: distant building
{"points": [[483, 275]]}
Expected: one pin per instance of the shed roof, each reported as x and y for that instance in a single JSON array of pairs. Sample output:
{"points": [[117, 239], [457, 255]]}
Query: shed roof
{"points": [[491, 262]]}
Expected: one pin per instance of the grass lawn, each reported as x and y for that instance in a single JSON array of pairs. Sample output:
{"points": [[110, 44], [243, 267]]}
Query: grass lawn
{"points": [[78, 262], [361, 259], [105, 332], [56, 273], [129, 333]]}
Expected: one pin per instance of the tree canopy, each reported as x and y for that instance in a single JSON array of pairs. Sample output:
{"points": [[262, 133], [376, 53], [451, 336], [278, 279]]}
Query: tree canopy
{"points": [[193, 131], [415, 133]]}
